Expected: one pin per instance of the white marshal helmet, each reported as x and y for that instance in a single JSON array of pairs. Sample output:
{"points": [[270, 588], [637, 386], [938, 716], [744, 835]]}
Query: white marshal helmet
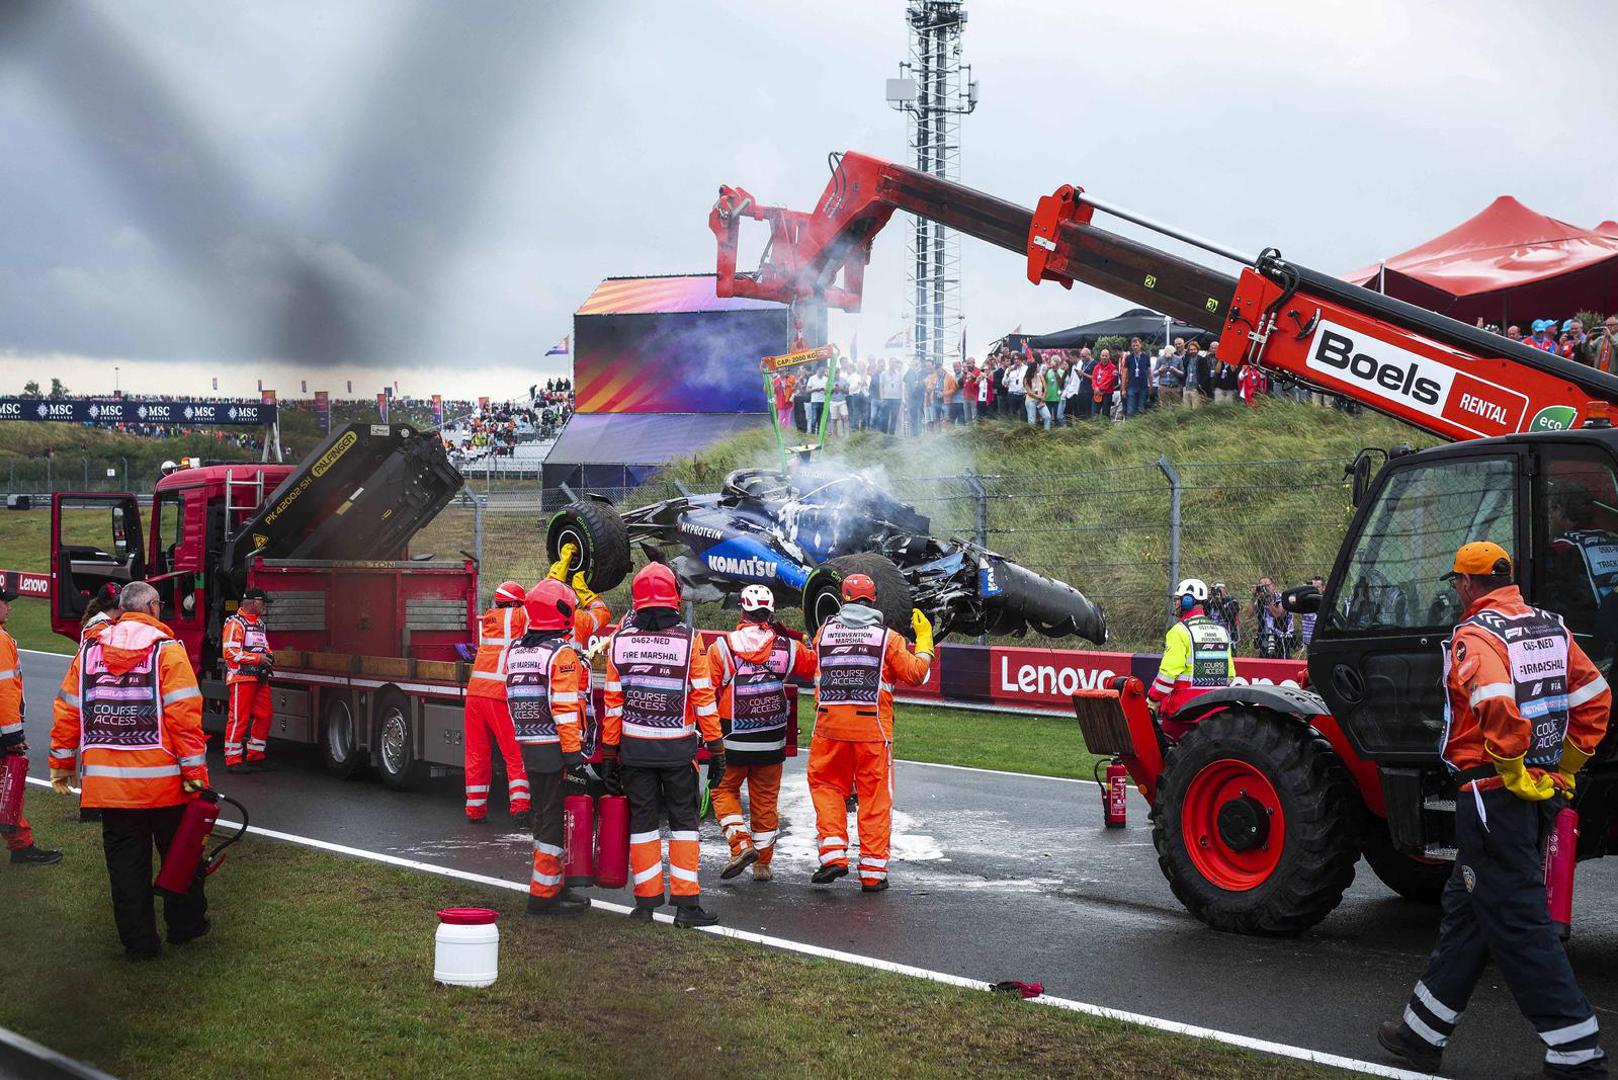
{"points": [[758, 598], [167, 467], [1195, 588]]}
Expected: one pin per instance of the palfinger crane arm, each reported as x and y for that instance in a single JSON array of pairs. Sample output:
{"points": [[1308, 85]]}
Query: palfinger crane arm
{"points": [[1442, 376]]}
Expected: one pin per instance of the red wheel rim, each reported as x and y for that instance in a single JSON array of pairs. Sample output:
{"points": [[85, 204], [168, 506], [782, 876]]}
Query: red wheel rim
{"points": [[1233, 825]]}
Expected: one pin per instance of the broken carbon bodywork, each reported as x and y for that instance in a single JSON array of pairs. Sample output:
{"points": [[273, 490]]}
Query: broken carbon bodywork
{"points": [[801, 534]]}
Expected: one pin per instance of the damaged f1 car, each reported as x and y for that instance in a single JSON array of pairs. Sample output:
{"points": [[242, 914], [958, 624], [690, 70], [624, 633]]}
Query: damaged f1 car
{"points": [[802, 534]]}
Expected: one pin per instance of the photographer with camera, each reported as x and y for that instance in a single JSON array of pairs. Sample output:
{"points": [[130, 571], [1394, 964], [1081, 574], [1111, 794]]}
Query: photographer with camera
{"points": [[1225, 610], [1276, 639]]}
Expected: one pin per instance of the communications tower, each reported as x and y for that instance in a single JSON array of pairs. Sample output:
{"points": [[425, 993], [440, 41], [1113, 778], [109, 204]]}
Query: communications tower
{"points": [[935, 89]]}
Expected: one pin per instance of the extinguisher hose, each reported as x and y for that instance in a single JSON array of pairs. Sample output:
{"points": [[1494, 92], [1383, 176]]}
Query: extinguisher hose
{"points": [[1101, 781], [241, 832]]}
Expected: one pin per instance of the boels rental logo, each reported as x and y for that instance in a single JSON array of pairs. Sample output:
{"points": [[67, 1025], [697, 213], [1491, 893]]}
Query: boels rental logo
{"points": [[1417, 382]]}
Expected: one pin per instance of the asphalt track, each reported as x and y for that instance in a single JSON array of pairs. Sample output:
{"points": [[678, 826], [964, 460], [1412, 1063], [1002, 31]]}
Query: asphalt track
{"points": [[995, 876]]}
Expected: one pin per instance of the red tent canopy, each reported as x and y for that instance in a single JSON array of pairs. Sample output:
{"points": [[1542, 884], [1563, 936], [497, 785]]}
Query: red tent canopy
{"points": [[1507, 264]]}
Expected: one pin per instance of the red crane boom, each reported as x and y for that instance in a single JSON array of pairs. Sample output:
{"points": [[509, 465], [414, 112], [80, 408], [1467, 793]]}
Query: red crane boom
{"points": [[1442, 376]]}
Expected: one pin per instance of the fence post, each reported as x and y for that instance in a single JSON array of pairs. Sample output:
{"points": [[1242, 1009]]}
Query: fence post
{"points": [[1167, 468], [84, 461], [478, 502], [50, 480], [980, 518]]}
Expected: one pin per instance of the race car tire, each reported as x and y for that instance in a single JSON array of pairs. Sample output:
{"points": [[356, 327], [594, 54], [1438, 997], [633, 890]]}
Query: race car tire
{"points": [[599, 533], [1256, 824], [823, 596], [1418, 880]]}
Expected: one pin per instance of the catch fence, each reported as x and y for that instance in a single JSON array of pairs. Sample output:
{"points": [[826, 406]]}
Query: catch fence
{"points": [[1122, 536]]}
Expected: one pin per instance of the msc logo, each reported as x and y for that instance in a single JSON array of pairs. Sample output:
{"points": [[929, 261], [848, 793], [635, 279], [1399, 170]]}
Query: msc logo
{"points": [[735, 567], [1335, 351]]}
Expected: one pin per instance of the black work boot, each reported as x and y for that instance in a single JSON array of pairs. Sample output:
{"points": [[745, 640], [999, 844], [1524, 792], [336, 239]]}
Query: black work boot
{"points": [[34, 855], [1409, 1047], [687, 916], [642, 913], [562, 905], [828, 874], [241, 768], [881, 885], [202, 928]]}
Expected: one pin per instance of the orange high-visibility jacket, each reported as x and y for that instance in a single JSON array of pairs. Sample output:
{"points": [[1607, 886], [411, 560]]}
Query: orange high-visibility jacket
{"points": [[130, 706], [245, 645], [545, 687], [11, 696], [1485, 716], [501, 626], [854, 679], [95, 627], [589, 620], [657, 739]]}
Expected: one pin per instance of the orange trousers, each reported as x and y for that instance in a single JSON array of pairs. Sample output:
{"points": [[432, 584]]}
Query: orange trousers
{"points": [[763, 799], [248, 723], [835, 767], [487, 720], [657, 794]]}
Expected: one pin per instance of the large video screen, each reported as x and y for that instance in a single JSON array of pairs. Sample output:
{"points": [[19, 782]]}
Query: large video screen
{"points": [[696, 362]]}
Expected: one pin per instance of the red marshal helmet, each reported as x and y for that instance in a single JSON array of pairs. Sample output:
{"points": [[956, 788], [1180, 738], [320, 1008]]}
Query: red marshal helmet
{"points": [[858, 587], [655, 586], [550, 606], [509, 594]]}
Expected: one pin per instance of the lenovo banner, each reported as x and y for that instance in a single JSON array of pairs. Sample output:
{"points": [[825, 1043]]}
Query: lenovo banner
{"points": [[137, 411]]}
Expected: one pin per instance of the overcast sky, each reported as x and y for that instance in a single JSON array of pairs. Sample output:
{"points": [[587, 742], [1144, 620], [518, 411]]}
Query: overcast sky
{"points": [[335, 189]]}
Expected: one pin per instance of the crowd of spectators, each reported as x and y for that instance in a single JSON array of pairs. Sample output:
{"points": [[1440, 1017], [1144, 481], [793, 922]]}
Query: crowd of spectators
{"points": [[1569, 338]]}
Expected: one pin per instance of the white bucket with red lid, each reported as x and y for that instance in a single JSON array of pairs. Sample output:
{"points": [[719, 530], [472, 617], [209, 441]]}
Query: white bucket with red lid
{"points": [[467, 951]]}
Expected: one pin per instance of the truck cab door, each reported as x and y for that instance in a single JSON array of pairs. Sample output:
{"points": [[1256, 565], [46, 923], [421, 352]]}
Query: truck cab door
{"points": [[95, 538], [1376, 655]]}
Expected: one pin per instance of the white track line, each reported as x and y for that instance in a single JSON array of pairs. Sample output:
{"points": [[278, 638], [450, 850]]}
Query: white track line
{"points": [[1174, 1027]]}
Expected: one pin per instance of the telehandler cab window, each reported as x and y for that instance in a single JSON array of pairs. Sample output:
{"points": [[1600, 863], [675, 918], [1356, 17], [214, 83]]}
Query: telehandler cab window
{"points": [[1395, 577], [1576, 571]]}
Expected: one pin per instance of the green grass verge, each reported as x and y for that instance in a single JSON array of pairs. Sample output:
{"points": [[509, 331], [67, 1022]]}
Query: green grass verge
{"points": [[321, 966], [1012, 742]]}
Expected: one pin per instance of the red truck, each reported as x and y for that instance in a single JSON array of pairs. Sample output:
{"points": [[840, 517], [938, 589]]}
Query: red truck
{"points": [[369, 640], [365, 633]]}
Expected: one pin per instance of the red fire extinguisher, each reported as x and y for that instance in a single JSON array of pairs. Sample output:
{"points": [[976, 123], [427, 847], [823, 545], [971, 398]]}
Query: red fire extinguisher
{"points": [[186, 861], [578, 833], [13, 778], [612, 842], [1561, 855], [1114, 793]]}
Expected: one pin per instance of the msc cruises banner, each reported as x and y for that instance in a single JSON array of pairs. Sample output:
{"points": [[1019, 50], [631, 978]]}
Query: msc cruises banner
{"points": [[136, 411]]}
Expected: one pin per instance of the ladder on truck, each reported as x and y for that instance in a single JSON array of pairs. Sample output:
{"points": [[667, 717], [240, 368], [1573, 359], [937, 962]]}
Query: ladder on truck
{"points": [[238, 490]]}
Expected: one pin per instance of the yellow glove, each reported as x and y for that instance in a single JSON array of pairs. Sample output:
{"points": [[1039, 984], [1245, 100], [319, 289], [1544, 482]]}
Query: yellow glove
{"points": [[59, 779], [923, 629], [191, 787], [1522, 783], [563, 563], [582, 590], [1573, 760]]}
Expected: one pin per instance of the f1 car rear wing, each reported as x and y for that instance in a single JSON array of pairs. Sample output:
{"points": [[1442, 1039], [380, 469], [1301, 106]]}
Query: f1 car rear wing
{"points": [[361, 495], [1437, 374]]}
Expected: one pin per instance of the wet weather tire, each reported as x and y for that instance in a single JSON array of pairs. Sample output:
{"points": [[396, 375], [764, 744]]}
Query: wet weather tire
{"points": [[1256, 824], [823, 597], [601, 537], [1412, 878]]}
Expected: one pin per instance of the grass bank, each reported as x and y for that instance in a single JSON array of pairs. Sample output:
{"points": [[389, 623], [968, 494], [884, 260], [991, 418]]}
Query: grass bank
{"points": [[321, 966]]}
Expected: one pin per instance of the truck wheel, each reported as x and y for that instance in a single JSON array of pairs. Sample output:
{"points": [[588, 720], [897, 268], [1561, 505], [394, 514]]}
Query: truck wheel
{"points": [[1256, 824], [1418, 880], [598, 532], [339, 742], [823, 592], [392, 742]]}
